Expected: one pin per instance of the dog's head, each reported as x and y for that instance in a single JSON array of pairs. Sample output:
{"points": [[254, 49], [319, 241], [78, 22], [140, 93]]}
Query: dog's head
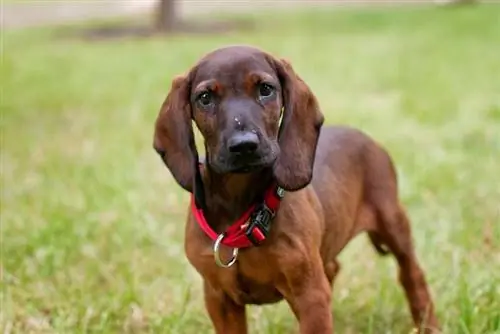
{"points": [[236, 96]]}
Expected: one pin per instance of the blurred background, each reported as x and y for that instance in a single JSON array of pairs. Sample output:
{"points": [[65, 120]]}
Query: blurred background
{"points": [[92, 223]]}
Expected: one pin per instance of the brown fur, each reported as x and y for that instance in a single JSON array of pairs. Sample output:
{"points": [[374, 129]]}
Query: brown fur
{"points": [[340, 183]]}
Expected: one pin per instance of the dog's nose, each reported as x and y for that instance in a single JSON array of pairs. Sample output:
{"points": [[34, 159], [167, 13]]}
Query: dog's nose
{"points": [[243, 142]]}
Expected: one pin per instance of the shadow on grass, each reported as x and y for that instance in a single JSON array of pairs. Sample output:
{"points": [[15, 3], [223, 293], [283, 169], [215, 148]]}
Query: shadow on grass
{"points": [[132, 29]]}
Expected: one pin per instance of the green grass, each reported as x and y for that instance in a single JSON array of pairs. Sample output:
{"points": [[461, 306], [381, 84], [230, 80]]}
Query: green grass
{"points": [[92, 222]]}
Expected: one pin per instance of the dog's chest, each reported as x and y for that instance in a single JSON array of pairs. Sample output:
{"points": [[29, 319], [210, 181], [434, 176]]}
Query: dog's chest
{"points": [[246, 290], [251, 280]]}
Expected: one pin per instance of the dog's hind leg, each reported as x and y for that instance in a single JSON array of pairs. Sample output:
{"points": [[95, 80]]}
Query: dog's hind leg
{"points": [[392, 234], [395, 233]]}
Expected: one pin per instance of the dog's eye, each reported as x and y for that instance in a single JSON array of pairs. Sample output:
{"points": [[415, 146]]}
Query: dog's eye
{"points": [[265, 90], [205, 99]]}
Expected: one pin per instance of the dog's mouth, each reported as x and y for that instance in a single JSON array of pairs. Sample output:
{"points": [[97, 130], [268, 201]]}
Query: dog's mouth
{"points": [[242, 165], [253, 167]]}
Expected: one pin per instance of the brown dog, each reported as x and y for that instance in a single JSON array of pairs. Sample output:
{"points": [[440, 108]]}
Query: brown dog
{"points": [[337, 184]]}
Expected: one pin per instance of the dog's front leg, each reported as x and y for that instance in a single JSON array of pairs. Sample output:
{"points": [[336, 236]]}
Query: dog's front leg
{"points": [[227, 317], [308, 293]]}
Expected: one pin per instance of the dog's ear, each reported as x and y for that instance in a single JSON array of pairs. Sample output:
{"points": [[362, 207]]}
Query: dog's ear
{"points": [[299, 132], [173, 134]]}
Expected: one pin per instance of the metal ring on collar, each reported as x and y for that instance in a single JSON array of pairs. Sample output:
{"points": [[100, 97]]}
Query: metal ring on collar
{"points": [[217, 258]]}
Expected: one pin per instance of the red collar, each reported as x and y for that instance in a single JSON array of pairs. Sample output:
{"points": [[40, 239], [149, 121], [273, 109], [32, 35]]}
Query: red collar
{"points": [[252, 228]]}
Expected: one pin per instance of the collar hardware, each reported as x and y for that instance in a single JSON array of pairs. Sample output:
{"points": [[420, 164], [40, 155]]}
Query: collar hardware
{"points": [[217, 258], [259, 225]]}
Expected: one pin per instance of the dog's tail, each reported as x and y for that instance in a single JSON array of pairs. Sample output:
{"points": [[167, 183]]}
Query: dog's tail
{"points": [[378, 244]]}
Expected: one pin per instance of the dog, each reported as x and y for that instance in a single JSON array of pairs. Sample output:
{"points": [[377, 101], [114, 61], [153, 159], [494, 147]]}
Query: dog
{"points": [[279, 194]]}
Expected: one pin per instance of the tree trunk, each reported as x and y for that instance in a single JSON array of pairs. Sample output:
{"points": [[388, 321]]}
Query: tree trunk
{"points": [[166, 16]]}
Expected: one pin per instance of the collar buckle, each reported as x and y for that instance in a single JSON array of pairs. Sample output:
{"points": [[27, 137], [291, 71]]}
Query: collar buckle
{"points": [[259, 224]]}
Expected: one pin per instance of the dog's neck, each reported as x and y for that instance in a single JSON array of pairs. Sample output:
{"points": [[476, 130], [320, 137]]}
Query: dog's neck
{"points": [[229, 196]]}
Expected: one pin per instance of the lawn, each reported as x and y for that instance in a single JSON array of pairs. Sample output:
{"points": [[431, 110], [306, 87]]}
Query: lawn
{"points": [[92, 223]]}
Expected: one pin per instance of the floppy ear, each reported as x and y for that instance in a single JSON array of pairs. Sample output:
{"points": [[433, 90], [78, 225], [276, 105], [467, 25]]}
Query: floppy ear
{"points": [[299, 132], [173, 135]]}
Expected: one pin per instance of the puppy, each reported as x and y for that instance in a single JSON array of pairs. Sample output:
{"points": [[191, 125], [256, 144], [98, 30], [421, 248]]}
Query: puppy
{"points": [[279, 195]]}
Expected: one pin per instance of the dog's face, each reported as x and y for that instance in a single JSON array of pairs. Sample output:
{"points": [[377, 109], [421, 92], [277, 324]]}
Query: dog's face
{"points": [[236, 103], [236, 95]]}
